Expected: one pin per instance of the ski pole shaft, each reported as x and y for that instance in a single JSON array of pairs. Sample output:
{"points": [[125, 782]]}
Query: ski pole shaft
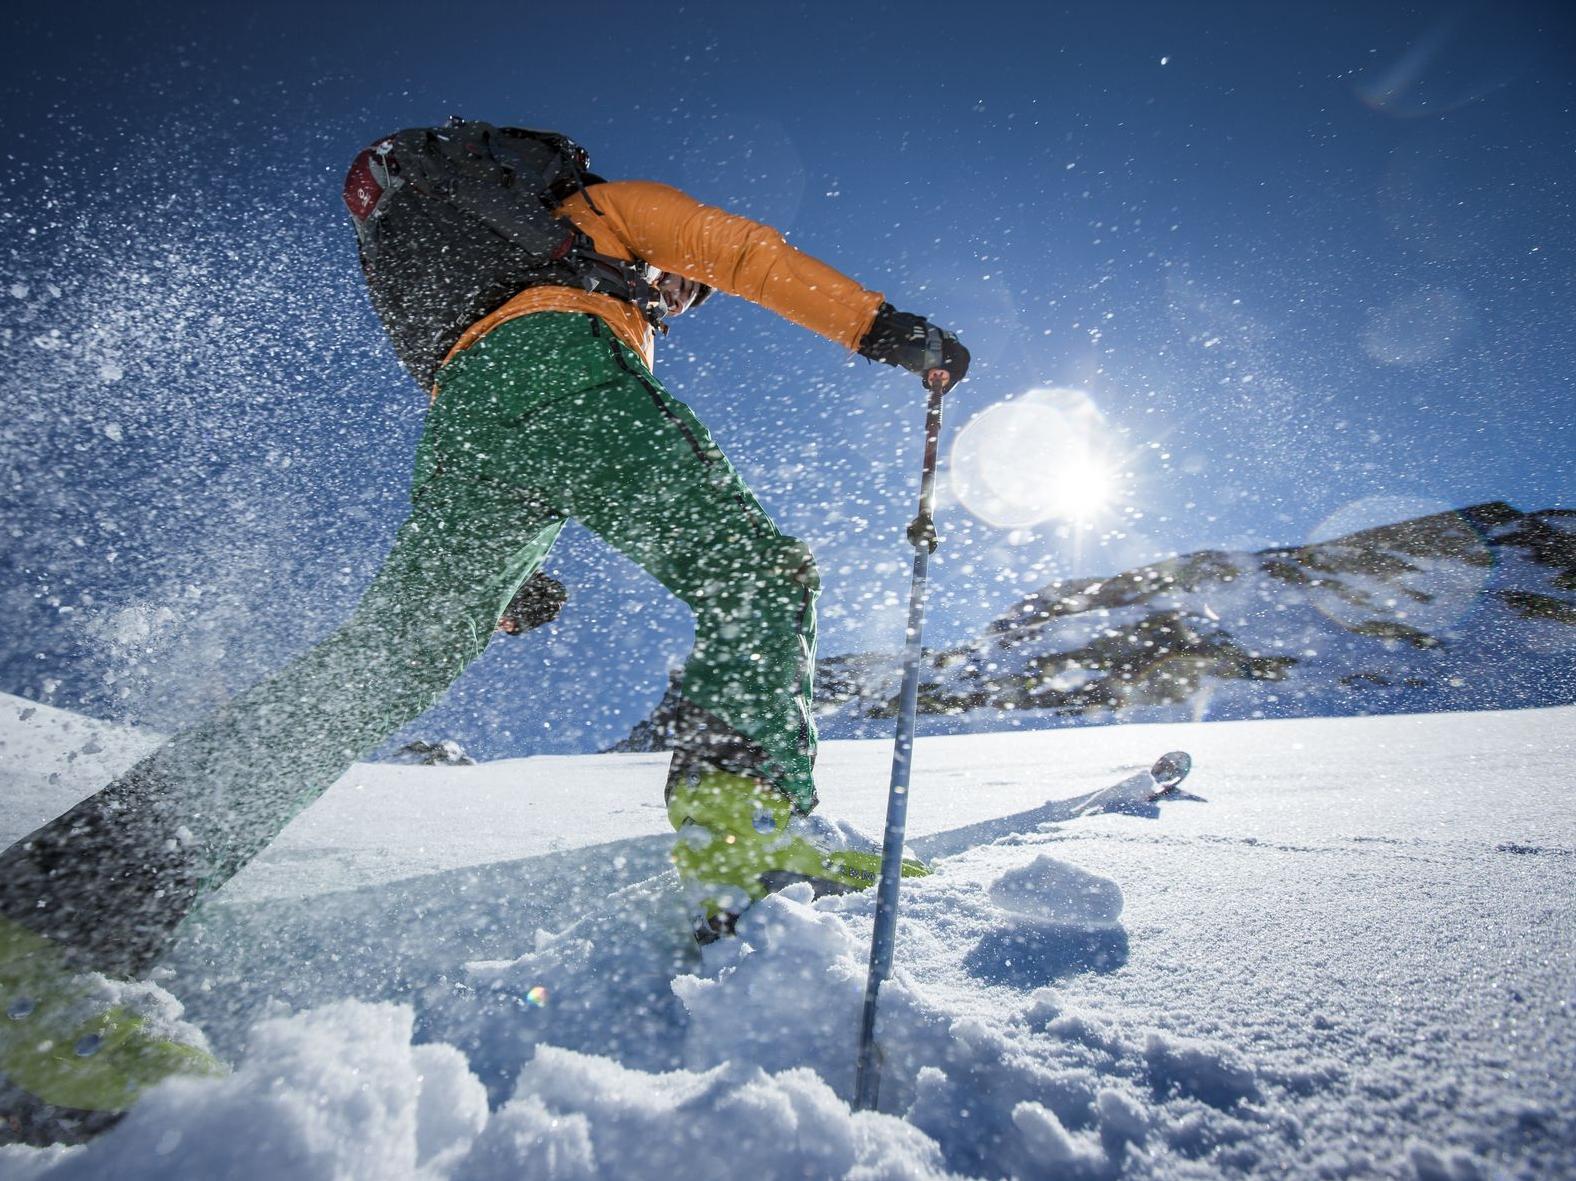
{"points": [[922, 535]]}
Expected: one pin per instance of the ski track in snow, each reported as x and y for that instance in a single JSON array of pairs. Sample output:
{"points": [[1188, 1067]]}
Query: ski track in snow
{"points": [[1349, 949]]}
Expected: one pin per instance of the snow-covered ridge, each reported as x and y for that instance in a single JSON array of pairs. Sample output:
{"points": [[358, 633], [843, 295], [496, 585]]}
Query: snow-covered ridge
{"points": [[1474, 609], [1352, 955]]}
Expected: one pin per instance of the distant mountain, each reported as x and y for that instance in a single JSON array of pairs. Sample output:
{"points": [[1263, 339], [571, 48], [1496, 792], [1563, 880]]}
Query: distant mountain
{"points": [[1473, 609], [441, 753]]}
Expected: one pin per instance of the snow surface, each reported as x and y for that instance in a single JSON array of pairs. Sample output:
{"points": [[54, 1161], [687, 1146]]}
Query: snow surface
{"points": [[1353, 955]]}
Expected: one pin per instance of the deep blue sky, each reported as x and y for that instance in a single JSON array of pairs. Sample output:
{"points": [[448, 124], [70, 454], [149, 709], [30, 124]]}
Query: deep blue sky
{"points": [[1301, 256]]}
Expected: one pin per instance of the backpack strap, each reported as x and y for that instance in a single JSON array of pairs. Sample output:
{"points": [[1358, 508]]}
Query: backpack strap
{"points": [[463, 162], [503, 191]]}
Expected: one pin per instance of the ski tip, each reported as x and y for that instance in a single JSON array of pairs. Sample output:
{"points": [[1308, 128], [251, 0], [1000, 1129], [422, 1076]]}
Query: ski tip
{"points": [[1171, 769]]}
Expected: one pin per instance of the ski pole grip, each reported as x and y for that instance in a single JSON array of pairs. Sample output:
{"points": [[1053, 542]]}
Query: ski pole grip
{"points": [[937, 380]]}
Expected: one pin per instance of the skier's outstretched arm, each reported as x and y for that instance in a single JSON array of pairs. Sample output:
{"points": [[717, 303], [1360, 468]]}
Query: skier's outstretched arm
{"points": [[673, 231]]}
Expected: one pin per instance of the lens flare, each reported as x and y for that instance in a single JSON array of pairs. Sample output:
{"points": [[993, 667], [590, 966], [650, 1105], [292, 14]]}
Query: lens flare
{"points": [[1045, 456], [537, 996]]}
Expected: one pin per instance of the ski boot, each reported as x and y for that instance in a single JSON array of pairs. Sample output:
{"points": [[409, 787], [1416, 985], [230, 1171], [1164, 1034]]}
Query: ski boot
{"points": [[83, 1044], [740, 839]]}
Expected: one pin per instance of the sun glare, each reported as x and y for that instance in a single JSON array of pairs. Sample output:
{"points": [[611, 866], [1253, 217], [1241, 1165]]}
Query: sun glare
{"points": [[1044, 456], [1083, 488]]}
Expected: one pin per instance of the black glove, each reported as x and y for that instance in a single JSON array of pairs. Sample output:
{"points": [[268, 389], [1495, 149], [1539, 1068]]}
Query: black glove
{"points": [[535, 603], [912, 342]]}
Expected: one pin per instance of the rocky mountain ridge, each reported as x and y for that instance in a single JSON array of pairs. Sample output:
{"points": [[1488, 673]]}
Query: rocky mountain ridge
{"points": [[1471, 609]]}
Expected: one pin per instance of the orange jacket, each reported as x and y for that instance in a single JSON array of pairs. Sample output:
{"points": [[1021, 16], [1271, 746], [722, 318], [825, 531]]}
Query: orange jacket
{"points": [[674, 232]]}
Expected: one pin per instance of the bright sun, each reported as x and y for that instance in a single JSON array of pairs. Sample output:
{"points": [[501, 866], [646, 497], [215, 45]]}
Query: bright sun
{"points": [[1083, 488], [1045, 456]]}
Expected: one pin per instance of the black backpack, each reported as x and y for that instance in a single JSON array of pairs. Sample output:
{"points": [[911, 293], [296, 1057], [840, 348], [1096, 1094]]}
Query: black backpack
{"points": [[454, 221]]}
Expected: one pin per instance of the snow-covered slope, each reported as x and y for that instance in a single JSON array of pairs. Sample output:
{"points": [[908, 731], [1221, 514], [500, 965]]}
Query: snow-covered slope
{"points": [[1353, 955]]}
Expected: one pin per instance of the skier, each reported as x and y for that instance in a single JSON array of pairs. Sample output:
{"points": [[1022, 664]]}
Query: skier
{"points": [[545, 409]]}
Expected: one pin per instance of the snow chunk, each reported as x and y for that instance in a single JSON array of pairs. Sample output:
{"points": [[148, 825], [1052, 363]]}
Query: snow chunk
{"points": [[1053, 891], [1432, 1165], [451, 1107], [335, 1094], [792, 967], [161, 1014], [526, 1139], [1051, 1144], [1122, 1118], [1210, 1071], [578, 1116]]}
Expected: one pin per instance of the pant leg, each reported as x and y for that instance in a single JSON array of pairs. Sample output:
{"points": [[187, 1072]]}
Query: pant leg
{"points": [[113, 877], [633, 464], [546, 417], [753, 589]]}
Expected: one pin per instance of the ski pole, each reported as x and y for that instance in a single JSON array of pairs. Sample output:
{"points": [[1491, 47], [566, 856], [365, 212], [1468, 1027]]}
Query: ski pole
{"points": [[922, 535]]}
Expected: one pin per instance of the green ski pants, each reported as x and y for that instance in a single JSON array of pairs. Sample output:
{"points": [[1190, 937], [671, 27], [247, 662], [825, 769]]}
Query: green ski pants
{"points": [[547, 418]]}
